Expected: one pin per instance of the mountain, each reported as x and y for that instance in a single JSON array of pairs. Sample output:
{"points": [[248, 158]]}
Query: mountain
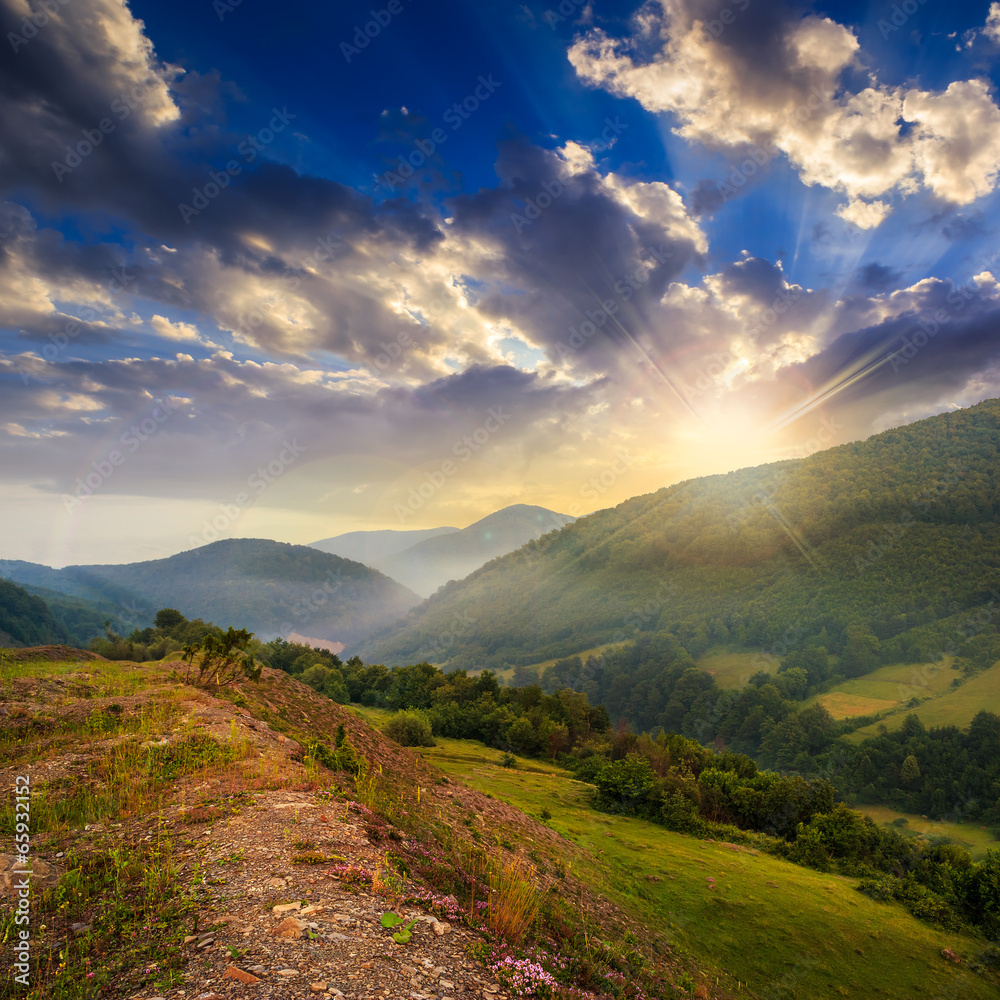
{"points": [[451, 554], [887, 539], [370, 547], [26, 620], [267, 587]]}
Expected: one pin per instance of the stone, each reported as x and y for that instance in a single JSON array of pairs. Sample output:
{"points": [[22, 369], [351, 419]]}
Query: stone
{"points": [[288, 972], [239, 975], [318, 987], [312, 908], [948, 954], [43, 875], [441, 928], [284, 908], [290, 927]]}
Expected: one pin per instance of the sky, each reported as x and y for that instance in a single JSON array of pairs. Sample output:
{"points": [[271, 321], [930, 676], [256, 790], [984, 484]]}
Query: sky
{"points": [[288, 272]]}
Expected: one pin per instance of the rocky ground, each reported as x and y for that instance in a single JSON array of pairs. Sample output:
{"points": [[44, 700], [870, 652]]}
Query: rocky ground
{"points": [[274, 846], [279, 929]]}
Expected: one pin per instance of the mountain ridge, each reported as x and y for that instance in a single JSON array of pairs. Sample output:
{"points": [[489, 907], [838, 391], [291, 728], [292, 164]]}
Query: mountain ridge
{"points": [[269, 587], [740, 558]]}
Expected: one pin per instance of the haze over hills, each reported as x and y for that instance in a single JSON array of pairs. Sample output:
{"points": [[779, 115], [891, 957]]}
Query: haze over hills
{"points": [[894, 534], [265, 586], [435, 556], [369, 547]]}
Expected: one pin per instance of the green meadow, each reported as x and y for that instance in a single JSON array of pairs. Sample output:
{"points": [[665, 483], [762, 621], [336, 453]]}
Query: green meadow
{"points": [[780, 931]]}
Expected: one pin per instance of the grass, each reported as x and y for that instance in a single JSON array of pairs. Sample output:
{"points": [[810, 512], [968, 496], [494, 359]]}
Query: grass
{"points": [[543, 665], [974, 838], [733, 670], [779, 930], [845, 706], [122, 880], [941, 703]]}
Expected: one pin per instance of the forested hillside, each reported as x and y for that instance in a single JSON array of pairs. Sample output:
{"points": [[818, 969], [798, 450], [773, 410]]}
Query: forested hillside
{"points": [[270, 586], [886, 538], [26, 620]]}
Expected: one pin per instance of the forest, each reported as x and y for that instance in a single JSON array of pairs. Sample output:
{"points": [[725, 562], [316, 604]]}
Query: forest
{"points": [[896, 535], [677, 781]]}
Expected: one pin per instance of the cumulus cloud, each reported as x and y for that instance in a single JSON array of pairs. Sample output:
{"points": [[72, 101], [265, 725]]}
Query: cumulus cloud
{"points": [[788, 85], [992, 28]]}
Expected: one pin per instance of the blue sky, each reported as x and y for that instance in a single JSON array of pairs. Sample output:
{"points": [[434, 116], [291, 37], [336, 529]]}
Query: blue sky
{"points": [[662, 241]]}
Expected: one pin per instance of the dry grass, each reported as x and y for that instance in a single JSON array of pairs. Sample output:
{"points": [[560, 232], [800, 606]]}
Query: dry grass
{"points": [[513, 902]]}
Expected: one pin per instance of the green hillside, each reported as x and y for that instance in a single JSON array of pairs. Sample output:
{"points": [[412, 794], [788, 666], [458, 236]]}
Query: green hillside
{"points": [[778, 930], [898, 533], [26, 620], [268, 587]]}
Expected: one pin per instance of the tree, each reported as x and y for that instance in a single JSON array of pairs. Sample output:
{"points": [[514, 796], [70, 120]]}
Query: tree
{"points": [[221, 659], [409, 730], [910, 771], [168, 618], [627, 783], [861, 653]]}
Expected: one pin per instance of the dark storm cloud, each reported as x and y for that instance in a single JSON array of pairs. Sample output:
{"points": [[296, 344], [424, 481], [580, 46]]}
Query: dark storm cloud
{"points": [[564, 260], [918, 357], [876, 277]]}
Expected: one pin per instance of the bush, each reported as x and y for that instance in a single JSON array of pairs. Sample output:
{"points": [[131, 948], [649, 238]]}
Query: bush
{"points": [[409, 730]]}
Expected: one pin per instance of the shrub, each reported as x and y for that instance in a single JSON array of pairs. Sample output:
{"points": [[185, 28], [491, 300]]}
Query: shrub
{"points": [[409, 730]]}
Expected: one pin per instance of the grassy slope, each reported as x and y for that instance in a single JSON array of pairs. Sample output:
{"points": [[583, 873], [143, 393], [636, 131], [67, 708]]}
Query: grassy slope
{"points": [[733, 670], [974, 838], [941, 704], [781, 930]]}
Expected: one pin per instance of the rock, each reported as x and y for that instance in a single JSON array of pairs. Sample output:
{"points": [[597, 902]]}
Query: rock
{"points": [[290, 927], [948, 954], [43, 875], [79, 928], [258, 970], [312, 908], [440, 928], [284, 908], [318, 987], [239, 975], [288, 972], [206, 943], [445, 985]]}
